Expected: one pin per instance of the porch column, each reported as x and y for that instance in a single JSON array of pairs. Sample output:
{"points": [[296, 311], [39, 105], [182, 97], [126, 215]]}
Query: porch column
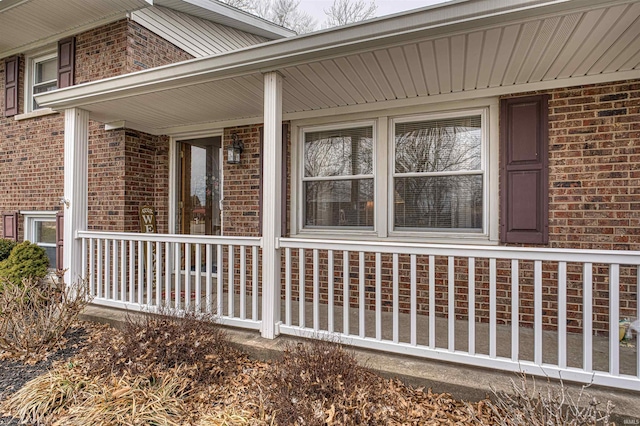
{"points": [[271, 204], [76, 141]]}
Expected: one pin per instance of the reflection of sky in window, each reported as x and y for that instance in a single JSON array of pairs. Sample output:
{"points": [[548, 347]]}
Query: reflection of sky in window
{"points": [[344, 152], [438, 146], [199, 173]]}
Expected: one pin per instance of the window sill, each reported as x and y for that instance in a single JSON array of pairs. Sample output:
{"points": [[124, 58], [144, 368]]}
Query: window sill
{"points": [[480, 240], [33, 114]]}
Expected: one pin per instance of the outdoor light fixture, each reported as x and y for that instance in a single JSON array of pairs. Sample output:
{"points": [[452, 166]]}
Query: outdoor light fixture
{"points": [[234, 150]]}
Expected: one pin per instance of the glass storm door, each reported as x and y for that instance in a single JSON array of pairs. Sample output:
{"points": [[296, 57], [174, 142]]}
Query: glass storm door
{"points": [[200, 187]]}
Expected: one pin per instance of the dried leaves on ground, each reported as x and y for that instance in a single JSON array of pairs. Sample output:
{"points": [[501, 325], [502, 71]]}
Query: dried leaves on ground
{"points": [[178, 371]]}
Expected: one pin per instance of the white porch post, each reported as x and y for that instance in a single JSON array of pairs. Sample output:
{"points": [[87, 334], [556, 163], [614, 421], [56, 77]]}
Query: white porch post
{"points": [[76, 142], [271, 204]]}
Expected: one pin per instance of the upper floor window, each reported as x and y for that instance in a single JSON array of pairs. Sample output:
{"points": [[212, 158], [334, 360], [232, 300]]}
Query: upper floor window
{"points": [[42, 76]]}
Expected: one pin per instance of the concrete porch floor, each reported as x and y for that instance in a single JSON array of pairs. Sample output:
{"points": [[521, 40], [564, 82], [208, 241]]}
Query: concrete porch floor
{"points": [[463, 382]]}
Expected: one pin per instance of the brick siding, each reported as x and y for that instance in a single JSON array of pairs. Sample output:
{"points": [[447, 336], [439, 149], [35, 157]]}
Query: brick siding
{"points": [[125, 167]]}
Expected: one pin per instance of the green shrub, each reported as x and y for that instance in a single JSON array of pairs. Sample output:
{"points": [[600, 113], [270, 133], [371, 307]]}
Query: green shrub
{"points": [[5, 248], [26, 260]]}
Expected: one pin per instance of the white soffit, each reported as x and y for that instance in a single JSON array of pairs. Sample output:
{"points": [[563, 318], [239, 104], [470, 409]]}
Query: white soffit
{"points": [[24, 24], [494, 56]]}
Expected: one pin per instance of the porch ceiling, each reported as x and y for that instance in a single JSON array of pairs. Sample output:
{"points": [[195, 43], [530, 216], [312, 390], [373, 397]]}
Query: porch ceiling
{"points": [[25, 22], [423, 56]]}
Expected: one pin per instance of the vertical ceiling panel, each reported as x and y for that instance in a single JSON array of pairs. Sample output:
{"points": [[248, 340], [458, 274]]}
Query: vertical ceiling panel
{"points": [[355, 77], [428, 57], [378, 75], [598, 37], [472, 63], [505, 51], [359, 66], [302, 82], [631, 63], [538, 48], [520, 52], [443, 64], [562, 32], [292, 85], [346, 85], [489, 53], [610, 61], [386, 63], [624, 56], [458, 53], [567, 58], [323, 81], [399, 61], [412, 55], [618, 19]]}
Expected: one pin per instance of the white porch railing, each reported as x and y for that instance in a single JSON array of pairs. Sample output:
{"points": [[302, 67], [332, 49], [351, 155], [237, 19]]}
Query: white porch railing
{"points": [[142, 272], [469, 304], [548, 312]]}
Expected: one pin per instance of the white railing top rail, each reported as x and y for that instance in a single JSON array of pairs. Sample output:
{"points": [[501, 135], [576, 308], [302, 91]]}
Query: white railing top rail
{"points": [[172, 238], [498, 252]]}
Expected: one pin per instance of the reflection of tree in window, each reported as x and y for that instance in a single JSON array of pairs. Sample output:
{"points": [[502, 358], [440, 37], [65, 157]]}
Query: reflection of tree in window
{"points": [[438, 179], [338, 177]]}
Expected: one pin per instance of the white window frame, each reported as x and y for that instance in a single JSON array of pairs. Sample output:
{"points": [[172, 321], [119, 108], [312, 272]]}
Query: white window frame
{"points": [[384, 128], [342, 230], [30, 77], [441, 233], [30, 220]]}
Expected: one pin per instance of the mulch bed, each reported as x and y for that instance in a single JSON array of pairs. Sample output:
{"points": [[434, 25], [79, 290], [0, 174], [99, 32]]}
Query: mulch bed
{"points": [[15, 373]]}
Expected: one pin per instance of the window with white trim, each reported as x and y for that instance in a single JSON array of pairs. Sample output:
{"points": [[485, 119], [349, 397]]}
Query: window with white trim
{"points": [[431, 180], [438, 178], [42, 76], [40, 229], [338, 177]]}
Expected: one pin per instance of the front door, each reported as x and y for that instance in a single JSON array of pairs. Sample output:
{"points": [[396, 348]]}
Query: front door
{"points": [[200, 186]]}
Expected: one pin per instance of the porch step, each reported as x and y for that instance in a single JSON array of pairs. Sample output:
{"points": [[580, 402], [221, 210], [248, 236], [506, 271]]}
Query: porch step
{"points": [[463, 382]]}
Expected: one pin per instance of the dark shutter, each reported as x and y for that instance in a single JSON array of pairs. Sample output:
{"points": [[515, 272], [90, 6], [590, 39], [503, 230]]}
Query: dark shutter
{"points": [[59, 239], [524, 170], [10, 226], [283, 206], [66, 62], [11, 73]]}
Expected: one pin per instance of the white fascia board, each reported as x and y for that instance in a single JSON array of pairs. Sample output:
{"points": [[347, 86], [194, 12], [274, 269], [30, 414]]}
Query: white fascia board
{"points": [[227, 15], [452, 18]]}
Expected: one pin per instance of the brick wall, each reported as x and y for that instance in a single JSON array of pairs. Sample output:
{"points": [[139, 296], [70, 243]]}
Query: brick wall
{"points": [[241, 205], [124, 167], [594, 203], [594, 167]]}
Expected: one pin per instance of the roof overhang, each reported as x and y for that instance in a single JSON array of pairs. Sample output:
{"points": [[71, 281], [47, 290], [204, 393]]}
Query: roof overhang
{"points": [[27, 24], [226, 15], [453, 51]]}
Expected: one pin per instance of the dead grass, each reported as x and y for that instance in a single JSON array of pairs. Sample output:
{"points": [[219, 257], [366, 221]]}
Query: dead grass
{"points": [[527, 404], [35, 315], [197, 378]]}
